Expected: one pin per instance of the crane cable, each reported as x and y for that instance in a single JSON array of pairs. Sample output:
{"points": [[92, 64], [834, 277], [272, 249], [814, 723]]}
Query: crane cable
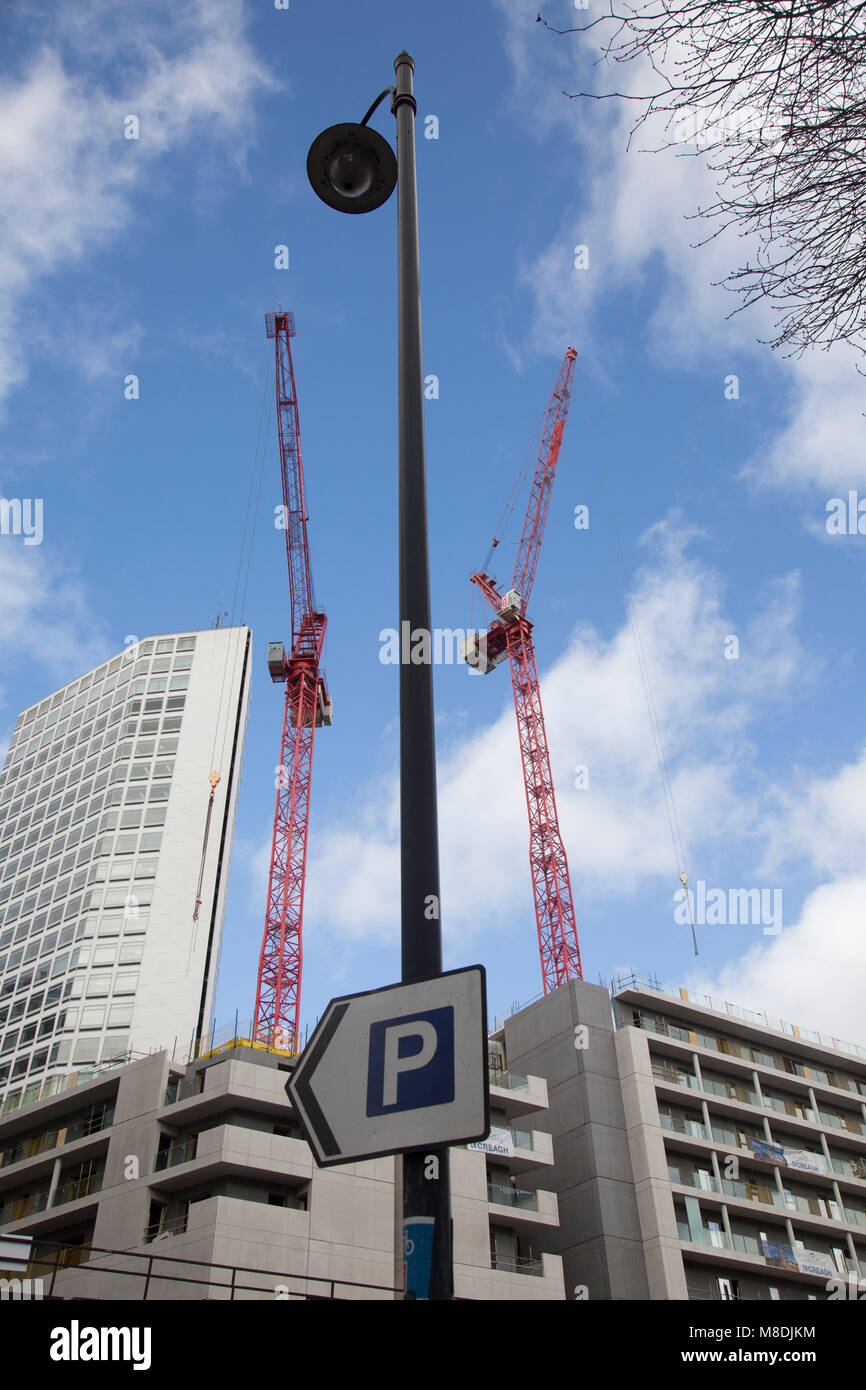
{"points": [[655, 725], [258, 461], [508, 510]]}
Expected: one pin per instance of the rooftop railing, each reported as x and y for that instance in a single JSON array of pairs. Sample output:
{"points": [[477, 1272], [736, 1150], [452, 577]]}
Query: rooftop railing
{"points": [[633, 981]]}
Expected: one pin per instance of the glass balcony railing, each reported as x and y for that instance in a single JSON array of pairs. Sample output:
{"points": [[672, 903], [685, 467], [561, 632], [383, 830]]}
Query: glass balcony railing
{"points": [[679, 1125], [717, 1239], [674, 1076], [25, 1205], [850, 1167], [752, 1192], [181, 1152], [521, 1138], [846, 1122], [723, 1135], [517, 1264], [173, 1226], [747, 1245], [56, 1137], [789, 1107], [181, 1088], [730, 1090], [817, 1205], [77, 1188], [508, 1080], [702, 1181], [507, 1196]]}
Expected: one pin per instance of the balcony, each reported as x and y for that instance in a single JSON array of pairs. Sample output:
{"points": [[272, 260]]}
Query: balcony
{"points": [[515, 1094], [182, 1088], [817, 1205], [792, 1108], [506, 1196], [157, 1230], [16, 1208], [76, 1188], [677, 1125], [674, 1076], [753, 1192], [850, 1168], [44, 1142], [730, 1090], [532, 1149], [522, 1206], [181, 1152], [517, 1264], [519, 1149], [849, 1123], [509, 1080], [702, 1181], [232, 1150]]}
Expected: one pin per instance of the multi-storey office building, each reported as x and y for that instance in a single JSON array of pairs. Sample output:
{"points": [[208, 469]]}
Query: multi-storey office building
{"points": [[702, 1151], [206, 1163], [103, 806]]}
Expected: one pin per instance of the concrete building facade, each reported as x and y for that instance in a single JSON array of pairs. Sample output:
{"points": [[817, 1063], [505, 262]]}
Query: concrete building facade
{"points": [[702, 1151], [174, 1165], [103, 804]]}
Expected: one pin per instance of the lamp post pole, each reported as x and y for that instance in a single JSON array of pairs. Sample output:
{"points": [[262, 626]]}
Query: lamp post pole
{"points": [[352, 168], [427, 1241]]}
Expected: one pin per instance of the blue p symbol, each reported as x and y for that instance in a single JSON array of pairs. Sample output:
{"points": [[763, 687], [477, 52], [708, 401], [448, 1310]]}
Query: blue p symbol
{"points": [[411, 1062]]}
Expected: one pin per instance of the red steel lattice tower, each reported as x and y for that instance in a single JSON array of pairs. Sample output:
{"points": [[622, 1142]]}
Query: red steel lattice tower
{"points": [[510, 634], [307, 707]]}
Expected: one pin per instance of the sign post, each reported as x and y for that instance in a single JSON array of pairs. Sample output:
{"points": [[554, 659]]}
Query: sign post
{"points": [[397, 1070]]}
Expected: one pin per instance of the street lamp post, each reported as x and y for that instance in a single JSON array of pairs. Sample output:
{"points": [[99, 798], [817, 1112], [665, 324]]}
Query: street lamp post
{"points": [[349, 168]]}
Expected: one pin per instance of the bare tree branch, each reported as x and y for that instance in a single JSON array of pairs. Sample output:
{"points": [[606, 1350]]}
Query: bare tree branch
{"points": [[773, 92]]}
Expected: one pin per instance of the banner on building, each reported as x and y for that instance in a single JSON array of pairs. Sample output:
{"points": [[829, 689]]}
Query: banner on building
{"points": [[773, 1153], [816, 1262], [498, 1142], [806, 1162], [779, 1256]]}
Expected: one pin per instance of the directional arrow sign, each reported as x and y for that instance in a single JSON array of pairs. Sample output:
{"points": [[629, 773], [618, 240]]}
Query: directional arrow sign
{"points": [[398, 1068]]}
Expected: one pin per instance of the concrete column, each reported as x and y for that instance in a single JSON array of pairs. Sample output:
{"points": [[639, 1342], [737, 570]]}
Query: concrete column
{"points": [[55, 1181]]}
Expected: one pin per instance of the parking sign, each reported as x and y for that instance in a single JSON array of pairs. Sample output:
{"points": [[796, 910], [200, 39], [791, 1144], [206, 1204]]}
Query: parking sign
{"points": [[399, 1068]]}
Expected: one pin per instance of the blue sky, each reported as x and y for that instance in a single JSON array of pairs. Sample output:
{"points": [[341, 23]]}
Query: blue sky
{"points": [[156, 257]]}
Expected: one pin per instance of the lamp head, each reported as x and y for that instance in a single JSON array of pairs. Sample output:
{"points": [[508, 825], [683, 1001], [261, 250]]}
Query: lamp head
{"points": [[352, 168]]}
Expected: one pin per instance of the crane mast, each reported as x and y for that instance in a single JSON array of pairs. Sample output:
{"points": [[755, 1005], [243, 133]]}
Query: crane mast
{"points": [[510, 634], [307, 707]]}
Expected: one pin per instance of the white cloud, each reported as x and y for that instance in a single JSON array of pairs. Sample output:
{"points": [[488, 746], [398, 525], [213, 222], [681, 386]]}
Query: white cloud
{"points": [[45, 617], [824, 444], [616, 833], [69, 177], [632, 209], [823, 821], [814, 973]]}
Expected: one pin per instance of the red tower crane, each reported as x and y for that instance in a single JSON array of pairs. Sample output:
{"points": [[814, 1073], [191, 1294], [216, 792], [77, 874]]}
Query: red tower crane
{"points": [[510, 634], [307, 707]]}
